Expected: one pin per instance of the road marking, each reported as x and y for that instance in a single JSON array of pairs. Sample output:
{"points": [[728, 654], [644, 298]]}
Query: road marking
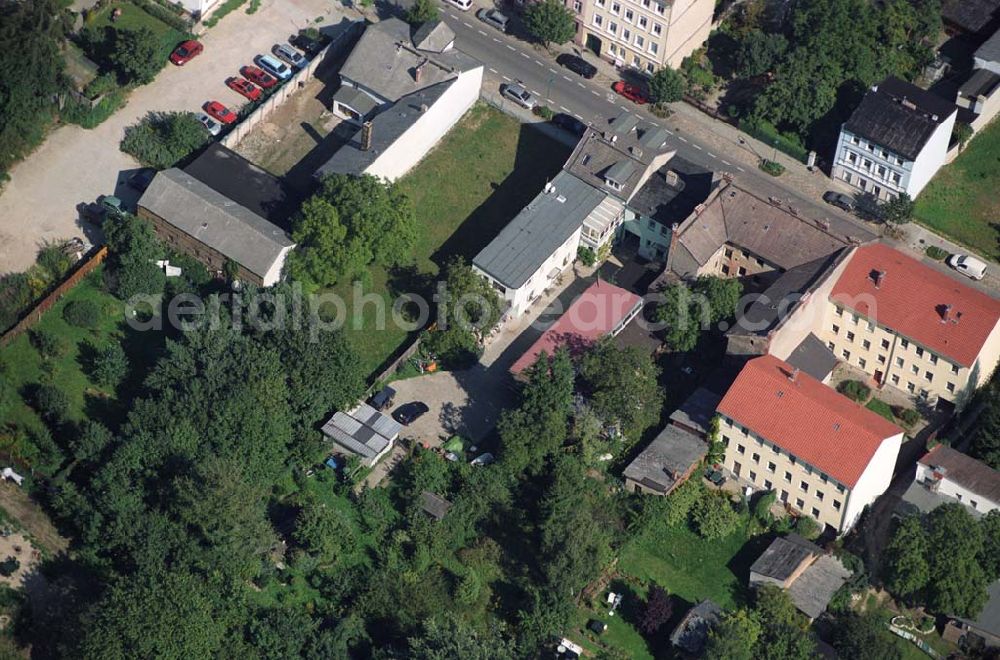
{"points": [[669, 132], [726, 162], [711, 154], [564, 108], [638, 116], [539, 63], [740, 168], [469, 25], [594, 92], [496, 40], [535, 92], [492, 70], [567, 78], [698, 147], [506, 78], [481, 32], [551, 101], [578, 116], [681, 139], [553, 71], [524, 55], [580, 84], [509, 47]]}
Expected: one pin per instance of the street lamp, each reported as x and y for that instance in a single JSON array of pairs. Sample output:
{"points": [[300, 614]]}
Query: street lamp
{"points": [[548, 88]]}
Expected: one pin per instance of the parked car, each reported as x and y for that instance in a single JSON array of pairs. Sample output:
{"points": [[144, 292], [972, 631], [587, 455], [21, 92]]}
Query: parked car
{"points": [[464, 5], [213, 127], [632, 92], [383, 398], [141, 179], [968, 265], [577, 65], [493, 18], [569, 123], [519, 95], [219, 112], [408, 413], [274, 66], [307, 44], [840, 200], [290, 55], [259, 77], [482, 459], [244, 87], [186, 52], [106, 206]]}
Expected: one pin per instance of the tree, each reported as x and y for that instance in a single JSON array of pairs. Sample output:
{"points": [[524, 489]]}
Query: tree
{"points": [[677, 312], [721, 296], [83, 314], [322, 530], [133, 248], [110, 366], [135, 55], [962, 133], [958, 582], [762, 508], [280, 632], [714, 517], [49, 345], [162, 139], [325, 252], [658, 610], [622, 384], [759, 52], [907, 572], [422, 11], [991, 544], [667, 86], [807, 527], [469, 309], [864, 636], [93, 438], [30, 37], [898, 210], [448, 636], [52, 404], [735, 637], [550, 21]]}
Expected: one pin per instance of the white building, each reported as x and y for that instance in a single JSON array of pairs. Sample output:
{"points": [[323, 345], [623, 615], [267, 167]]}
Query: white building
{"points": [[404, 93], [363, 432], [945, 475], [895, 141]]}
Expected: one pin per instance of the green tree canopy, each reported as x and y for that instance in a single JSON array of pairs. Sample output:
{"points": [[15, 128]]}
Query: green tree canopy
{"points": [[162, 139], [622, 384], [135, 55], [469, 310], [898, 210], [422, 11], [667, 86], [550, 21], [907, 572]]}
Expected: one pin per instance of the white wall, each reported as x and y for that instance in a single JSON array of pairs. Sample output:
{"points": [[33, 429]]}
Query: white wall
{"points": [[873, 482], [273, 274], [952, 489], [432, 125], [931, 157], [198, 6], [560, 259]]}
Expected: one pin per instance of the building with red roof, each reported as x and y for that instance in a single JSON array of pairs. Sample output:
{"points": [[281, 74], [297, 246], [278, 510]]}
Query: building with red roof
{"points": [[912, 326], [825, 455], [603, 309]]}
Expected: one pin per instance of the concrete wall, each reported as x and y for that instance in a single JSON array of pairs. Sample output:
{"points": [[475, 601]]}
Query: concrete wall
{"points": [[432, 125], [931, 157], [874, 480], [690, 24], [947, 487]]}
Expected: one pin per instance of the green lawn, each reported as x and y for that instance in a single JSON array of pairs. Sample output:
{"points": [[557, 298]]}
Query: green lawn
{"points": [[465, 191], [133, 18], [961, 201], [881, 408]]}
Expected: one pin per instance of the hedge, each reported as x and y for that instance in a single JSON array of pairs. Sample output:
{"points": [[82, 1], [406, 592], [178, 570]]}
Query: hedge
{"points": [[768, 134]]}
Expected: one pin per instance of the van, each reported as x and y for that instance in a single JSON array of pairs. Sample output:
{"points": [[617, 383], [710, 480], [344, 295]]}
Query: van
{"points": [[464, 5], [968, 266]]}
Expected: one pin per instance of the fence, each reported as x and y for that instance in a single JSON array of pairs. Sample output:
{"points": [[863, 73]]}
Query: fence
{"points": [[410, 351], [294, 84], [770, 136], [83, 268]]}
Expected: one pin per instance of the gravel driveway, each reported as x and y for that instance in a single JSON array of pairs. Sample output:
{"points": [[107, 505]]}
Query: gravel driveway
{"points": [[76, 165]]}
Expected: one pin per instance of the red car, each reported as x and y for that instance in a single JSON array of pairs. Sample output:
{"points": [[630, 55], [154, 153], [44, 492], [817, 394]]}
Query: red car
{"points": [[186, 52], [258, 77], [632, 92], [244, 87], [220, 112]]}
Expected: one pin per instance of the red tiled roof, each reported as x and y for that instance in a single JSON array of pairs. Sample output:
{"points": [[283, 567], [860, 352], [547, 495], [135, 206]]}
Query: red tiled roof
{"points": [[911, 300], [594, 314], [806, 418]]}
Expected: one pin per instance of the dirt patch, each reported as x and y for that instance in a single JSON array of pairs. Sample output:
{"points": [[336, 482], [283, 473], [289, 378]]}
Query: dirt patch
{"points": [[28, 515], [18, 547]]}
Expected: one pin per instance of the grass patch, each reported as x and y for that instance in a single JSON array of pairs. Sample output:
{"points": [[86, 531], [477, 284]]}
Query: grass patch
{"points": [[225, 8], [481, 174], [881, 408], [133, 18], [961, 201]]}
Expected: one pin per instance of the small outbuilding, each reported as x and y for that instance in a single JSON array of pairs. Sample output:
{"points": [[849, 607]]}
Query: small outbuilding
{"points": [[801, 568], [363, 432], [666, 463], [691, 633], [434, 505]]}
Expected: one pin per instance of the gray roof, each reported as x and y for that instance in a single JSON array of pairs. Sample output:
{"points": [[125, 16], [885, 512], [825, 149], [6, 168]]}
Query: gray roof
{"points": [[538, 230], [387, 127], [667, 459], [920, 500], [692, 632], [775, 233], [811, 592], [959, 468], [970, 15], [982, 83], [434, 505], [620, 171], [215, 220], [671, 193], [363, 431], [899, 116], [813, 357], [356, 99], [385, 61], [783, 556], [434, 36], [697, 410], [988, 620]]}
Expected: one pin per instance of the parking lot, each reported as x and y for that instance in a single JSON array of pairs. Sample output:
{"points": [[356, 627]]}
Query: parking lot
{"points": [[76, 165]]}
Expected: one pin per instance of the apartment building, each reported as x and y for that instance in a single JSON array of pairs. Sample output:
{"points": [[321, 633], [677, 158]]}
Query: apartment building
{"points": [[911, 326], [642, 34], [823, 454], [895, 141], [945, 476]]}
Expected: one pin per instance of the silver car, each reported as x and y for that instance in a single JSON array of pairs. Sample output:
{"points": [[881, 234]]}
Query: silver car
{"points": [[213, 127], [276, 68], [519, 95], [290, 55], [493, 18]]}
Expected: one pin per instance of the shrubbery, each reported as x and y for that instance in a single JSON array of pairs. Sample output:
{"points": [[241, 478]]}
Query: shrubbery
{"points": [[83, 314], [110, 366], [855, 390], [162, 139], [51, 403], [48, 344]]}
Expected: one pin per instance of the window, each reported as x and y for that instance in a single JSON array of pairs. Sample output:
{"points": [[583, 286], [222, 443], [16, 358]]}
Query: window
{"points": [[866, 344], [803, 486], [784, 496], [819, 495], [657, 28], [904, 343], [626, 34], [629, 16], [928, 376], [915, 369], [598, 20], [885, 344], [653, 48], [788, 477], [867, 164], [846, 354], [636, 62], [639, 41], [725, 440], [910, 388], [836, 505], [600, 3], [836, 329], [643, 22], [855, 318], [742, 271], [920, 352], [613, 48], [951, 387], [899, 362], [822, 477], [954, 368], [854, 139], [741, 449], [862, 363], [895, 379], [725, 270], [850, 336], [830, 345], [613, 27], [840, 489], [932, 358], [852, 157], [771, 467], [815, 512], [881, 171], [871, 327], [615, 8], [728, 252], [895, 177], [881, 359], [974, 504], [767, 484], [799, 504], [756, 457], [753, 476], [660, 9]]}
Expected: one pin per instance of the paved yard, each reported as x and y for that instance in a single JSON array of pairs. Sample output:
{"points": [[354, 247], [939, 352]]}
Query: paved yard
{"points": [[76, 165]]}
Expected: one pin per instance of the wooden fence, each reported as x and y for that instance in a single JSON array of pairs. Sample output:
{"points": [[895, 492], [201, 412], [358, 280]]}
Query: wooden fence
{"points": [[81, 270]]}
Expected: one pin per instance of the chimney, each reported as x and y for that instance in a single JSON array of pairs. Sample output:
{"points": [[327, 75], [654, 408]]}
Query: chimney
{"points": [[792, 377], [418, 71], [878, 276], [366, 136], [549, 188], [698, 209], [874, 88]]}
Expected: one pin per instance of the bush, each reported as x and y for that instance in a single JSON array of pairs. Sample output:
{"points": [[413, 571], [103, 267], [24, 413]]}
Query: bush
{"points": [[225, 8], [936, 253], [667, 86], [90, 117], [51, 403], [171, 18], [713, 516], [110, 366], [544, 111], [48, 344], [855, 390], [661, 110], [83, 314], [135, 55], [15, 298], [909, 417], [161, 139], [808, 528], [772, 167], [586, 255], [764, 131]]}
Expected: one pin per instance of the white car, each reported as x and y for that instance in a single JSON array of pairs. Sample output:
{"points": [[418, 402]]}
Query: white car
{"points": [[275, 67], [213, 126], [968, 266], [464, 5], [519, 95], [482, 459], [290, 55]]}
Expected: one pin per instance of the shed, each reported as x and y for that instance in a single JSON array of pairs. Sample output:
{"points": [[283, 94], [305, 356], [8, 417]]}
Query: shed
{"points": [[666, 463], [691, 633], [434, 505]]}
